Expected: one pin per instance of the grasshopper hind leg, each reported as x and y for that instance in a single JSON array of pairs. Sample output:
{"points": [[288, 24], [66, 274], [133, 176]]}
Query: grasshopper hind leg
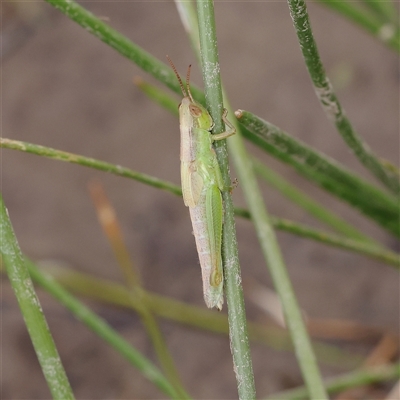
{"points": [[214, 216]]}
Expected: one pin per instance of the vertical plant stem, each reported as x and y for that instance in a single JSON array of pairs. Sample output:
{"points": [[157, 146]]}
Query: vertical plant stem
{"points": [[29, 304], [270, 247], [264, 229], [234, 293], [330, 102]]}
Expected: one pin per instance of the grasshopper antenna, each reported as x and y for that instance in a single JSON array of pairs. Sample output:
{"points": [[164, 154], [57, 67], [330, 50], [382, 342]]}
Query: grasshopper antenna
{"points": [[179, 78], [187, 83]]}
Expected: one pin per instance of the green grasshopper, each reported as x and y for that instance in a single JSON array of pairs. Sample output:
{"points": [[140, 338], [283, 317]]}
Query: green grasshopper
{"points": [[202, 185]]}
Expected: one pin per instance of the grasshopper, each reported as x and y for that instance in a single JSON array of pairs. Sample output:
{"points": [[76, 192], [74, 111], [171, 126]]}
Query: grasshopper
{"points": [[202, 185]]}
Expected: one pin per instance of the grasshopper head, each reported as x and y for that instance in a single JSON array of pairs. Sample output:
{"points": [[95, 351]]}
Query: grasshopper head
{"points": [[196, 110], [198, 113]]}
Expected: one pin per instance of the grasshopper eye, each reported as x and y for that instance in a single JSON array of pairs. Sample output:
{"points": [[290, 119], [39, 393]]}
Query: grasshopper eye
{"points": [[194, 110]]}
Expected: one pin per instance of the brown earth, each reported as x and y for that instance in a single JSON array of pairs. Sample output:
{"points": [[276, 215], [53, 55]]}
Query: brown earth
{"points": [[63, 88]]}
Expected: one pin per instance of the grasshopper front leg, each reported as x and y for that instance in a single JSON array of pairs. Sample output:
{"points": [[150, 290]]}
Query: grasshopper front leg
{"points": [[230, 129]]}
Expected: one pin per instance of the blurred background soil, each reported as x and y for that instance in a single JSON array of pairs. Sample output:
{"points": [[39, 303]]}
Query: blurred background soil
{"points": [[63, 88]]}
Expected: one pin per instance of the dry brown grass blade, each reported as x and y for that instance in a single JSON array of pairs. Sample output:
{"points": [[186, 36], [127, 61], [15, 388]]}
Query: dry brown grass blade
{"points": [[108, 221], [111, 227]]}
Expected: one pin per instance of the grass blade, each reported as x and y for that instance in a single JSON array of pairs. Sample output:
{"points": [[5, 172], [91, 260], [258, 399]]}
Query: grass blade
{"points": [[89, 162], [31, 310], [157, 95], [322, 170], [121, 44], [329, 101], [361, 247], [353, 379], [103, 330], [286, 225], [387, 32], [189, 315], [313, 207], [353, 240]]}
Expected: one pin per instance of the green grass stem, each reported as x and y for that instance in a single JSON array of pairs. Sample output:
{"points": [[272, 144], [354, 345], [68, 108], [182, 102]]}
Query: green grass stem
{"points": [[101, 328], [31, 310], [89, 162], [302, 345], [285, 225], [122, 44], [385, 31], [354, 379], [189, 315], [313, 207], [381, 209], [266, 236], [240, 347], [360, 247], [158, 96], [322, 170], [329, 101], [385, 11]]}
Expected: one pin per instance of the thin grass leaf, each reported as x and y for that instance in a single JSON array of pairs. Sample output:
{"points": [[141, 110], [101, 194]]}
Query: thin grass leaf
{"points": [[121, 44], [385, 11], [360, 247], [388, 33], [130, 50], [313, 207], [286, 225], [101, 328], [301, 230], [31, 310], [329, 101], [189, 315], [322, 170], [157, 95], [381, 374], [91, 163], [188, 16]]}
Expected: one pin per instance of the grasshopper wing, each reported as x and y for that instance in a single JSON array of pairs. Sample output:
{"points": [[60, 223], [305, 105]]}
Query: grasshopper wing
{"points": [[192, 183], [214, 213]]}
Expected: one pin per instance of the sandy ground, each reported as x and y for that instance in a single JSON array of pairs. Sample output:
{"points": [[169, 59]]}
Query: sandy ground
{"points": [[63, 88]]}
